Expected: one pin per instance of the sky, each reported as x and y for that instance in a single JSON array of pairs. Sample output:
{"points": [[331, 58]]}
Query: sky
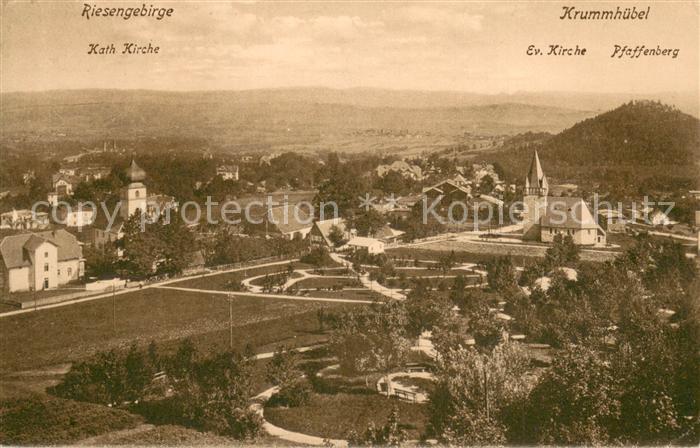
{"points": [[463, 46]]}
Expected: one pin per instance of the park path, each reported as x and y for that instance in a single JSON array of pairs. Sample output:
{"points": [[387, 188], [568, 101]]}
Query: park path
{"points": [[295, 437], [135, 289], [265, 296], [304, 274], [369, 284]]}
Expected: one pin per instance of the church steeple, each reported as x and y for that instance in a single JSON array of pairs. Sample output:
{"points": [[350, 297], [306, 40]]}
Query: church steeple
{"points": [[536, 181], [135, 173], [133, 196]]}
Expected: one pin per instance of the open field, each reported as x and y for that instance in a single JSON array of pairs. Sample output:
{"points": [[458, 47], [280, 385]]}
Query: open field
{"points": [[66, 334]]}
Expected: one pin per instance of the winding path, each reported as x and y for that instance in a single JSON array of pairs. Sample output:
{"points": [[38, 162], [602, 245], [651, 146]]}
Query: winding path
{"points": [[264, 296]]}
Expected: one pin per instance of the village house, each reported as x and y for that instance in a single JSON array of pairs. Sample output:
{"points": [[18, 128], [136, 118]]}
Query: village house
{"points": [[320, 232], [92, 173], [545, 216], [613, 221], [449, 191], [227, 172], [64, 184], [659, 218], [75, 216], [371, 245], [24, 220], [291, 221], [413, 172], [38, 261], [388, 236], [481, 170]]}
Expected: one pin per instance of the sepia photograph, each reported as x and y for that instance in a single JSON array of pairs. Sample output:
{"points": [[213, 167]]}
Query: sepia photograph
{"points": [[349, 223]]}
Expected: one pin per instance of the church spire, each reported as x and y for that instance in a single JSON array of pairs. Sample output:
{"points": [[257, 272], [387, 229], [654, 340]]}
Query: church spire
{"points": [[135, 173], [536, 181]]}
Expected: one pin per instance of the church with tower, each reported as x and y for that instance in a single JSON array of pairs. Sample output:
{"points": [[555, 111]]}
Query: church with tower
{"points": [[545, 216], [134, 198]]}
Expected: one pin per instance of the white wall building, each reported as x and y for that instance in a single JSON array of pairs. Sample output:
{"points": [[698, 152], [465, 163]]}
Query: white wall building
{"points": [[38, 261]]}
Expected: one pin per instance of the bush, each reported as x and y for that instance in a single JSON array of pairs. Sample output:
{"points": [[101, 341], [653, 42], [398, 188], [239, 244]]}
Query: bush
{"points": [[108, 378], [294, 395]]}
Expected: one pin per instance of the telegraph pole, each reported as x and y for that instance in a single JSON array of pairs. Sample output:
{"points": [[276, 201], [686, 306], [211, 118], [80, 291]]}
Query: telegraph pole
{"points": [[486, 392], [230, 321], [114, 310]]}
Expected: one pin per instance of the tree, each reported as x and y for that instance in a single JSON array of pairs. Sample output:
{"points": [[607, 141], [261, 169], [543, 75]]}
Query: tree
{"points": [[447, 261], [472, 392], [336, 236], [501, 275], [372, 339], [283, 371], [575, 403], [486, 184], [391, 434], [368, 222], [101, 262], [108, 378], [425, 310], [213, 395], [562, 253]]}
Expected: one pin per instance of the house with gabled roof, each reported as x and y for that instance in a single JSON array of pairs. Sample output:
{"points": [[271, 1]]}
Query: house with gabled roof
{"points": [[320, 233], [448, 191], [42, 260], [292, 221]]}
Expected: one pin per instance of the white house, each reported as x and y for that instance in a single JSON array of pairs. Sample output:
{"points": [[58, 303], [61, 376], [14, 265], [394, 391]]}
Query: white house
{"points": [[63, 184], [659, 218], [43, 260], [75, 216], [227, 172], [372, 245], [24, 220]]}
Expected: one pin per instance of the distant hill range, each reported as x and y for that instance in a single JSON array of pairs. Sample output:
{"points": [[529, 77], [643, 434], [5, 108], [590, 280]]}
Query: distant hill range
{"points": [[299, 119], [274, 118], [636, 141]]}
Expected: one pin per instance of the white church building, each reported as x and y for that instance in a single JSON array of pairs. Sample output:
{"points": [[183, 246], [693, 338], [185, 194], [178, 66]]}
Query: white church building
{"points": [[545, 216]]}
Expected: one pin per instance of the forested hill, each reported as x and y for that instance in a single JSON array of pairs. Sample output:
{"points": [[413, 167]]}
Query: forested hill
{"points": [[641, 132], [630, 144]]}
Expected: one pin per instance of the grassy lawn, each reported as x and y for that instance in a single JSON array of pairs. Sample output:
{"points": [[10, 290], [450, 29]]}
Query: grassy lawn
{"points": [[434, 251], [364, 294], [45, 420], [69, 333], [313, 283], [219, 282], [334, 415], [278, 278]]}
